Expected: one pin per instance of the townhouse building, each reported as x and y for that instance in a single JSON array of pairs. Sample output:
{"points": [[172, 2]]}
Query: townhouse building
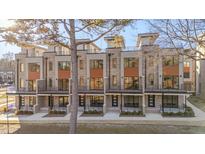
{"points": [[144, 78]]}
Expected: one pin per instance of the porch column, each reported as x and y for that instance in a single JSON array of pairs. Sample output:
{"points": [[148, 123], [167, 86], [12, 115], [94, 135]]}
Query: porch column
{"points": [[104, 105], [36, 107], [143, 103]]}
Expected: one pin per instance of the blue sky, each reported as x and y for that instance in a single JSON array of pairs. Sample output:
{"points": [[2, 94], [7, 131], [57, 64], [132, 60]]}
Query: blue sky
{"points": [[129, 34]]}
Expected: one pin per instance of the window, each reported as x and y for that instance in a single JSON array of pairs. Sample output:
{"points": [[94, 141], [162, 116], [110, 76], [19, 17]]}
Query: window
{"points": [[21, 101], [32, 85], [170, 82], [50, 83], [170, 60], [151, 61], [170, 101], [63, 101], [81, 82], [94, 64], [114, 62], [151, 100], [114, 100], [64, 65], [131, 101], [151, 79], [186, 75], [21, 83], [81, 100], [50, 66], [186, 64], [131, 83], [21, 67], [96, 101], [32, 101], [63, 84], [96, 83], [81, 65], [33, 67], [130, 62], [114, 80]]}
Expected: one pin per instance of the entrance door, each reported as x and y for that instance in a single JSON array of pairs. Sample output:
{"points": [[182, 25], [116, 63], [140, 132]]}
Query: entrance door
{"points": [[114, 101], [50, 101], [151, 100]]}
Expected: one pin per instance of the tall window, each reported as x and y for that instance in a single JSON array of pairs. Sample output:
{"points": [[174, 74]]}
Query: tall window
{"points": [[33, 67], [21, 67], [130, 62], [151, 79], [114, 62], [94, 64], [96, 83], [170, 82], [63, 101], [21, 83], [64, 65], [186, 69], [32, 101], [32, 85], [151, 61], [63, 84], [96, 101], [81, 82], [50, 66], [170, 101], [114, 80], [131, 83], [131, 101], [50, 83], [170, 60], [81, 64]]}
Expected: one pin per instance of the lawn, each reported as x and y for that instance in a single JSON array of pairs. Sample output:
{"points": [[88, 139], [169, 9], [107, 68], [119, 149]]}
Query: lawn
{"points": [[102, 129], [198, 102]]}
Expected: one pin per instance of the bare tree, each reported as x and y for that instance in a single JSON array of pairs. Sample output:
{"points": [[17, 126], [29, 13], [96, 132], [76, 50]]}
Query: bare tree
{"points": [[182, 33], [63, 32]]}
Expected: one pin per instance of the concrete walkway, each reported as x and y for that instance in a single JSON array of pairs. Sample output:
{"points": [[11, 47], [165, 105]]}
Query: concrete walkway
{"points": [[112, 117]]}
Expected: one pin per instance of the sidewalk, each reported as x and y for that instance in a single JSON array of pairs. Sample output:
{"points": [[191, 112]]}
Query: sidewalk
{"points": [[112, 117]]}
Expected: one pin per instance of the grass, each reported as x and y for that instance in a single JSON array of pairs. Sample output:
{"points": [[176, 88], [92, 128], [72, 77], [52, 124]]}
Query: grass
{"points": [[188, 113], [198, 102], [130, 114], [99, 128]]}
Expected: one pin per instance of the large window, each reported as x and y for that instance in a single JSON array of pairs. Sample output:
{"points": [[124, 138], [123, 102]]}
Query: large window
{"points": [[94, 64], [50, 82], [33, 67], [96, 83], [32, 101], [63, 84], [170, 60], [114, 62], [64, 65], [21, 83], [50, 66], [171, 82], [131, 101], [81, 64], [187, 75], [170, 101], [63, 101], [131, 83], [151, 79], [114, 80], [130, 62], [81, 82], [32, 85], [21, 67], [96, 101]]}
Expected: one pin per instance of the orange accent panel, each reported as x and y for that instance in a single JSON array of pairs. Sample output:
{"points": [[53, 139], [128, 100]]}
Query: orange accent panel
{"points": [[33, 75], [186, 69], [130, 71], [97, 72], [62, 74], [171, 70]]}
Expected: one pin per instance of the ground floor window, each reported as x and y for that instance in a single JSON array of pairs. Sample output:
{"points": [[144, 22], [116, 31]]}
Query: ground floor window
{"points": [[21, 101], [131, 82], [114, 100], [96, 83], [50, 101], [32, 85], [170, 101], [81, 100], [32, 101], [63, 84], [151, 100], [96, 101], [63, 101], [131, 101]]}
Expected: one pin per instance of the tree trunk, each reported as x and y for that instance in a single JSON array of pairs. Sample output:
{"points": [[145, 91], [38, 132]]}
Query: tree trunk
{"points": [[74, 81]]}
